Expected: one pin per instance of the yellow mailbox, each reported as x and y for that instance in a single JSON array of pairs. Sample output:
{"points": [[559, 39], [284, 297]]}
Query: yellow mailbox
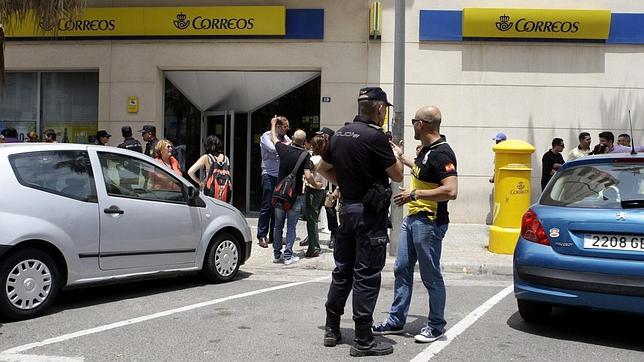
{"points": [[512, 171]]}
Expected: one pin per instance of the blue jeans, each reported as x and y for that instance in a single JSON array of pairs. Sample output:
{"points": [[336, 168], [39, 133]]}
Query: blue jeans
{"points": [[291, 217], [420, 240], [266, 220]]}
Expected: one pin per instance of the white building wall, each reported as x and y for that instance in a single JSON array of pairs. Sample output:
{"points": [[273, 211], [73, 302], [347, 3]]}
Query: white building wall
{"points": [[533, 91]]}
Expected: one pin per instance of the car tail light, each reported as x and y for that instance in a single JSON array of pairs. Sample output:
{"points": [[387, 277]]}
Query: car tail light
{"points": [[532, 229]]}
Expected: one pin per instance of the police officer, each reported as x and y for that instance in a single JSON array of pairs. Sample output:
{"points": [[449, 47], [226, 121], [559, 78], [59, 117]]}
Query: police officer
{"points": [[129, 143], [360, 161], [102, 137], [149, 134]]}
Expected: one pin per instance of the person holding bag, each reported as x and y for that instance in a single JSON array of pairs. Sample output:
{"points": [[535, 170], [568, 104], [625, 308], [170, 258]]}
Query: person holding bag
{"points": [[295, 162]]}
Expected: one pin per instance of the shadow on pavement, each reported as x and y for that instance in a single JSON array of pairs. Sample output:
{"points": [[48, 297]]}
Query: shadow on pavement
{"points": [[94, 295], [609, 329]]}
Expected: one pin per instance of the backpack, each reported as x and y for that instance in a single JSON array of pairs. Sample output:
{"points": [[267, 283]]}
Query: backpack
{"points": [[219, 182], [285, 191]]}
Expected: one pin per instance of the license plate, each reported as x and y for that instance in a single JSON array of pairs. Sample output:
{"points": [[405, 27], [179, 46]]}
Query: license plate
{"points": [[614, 242]]}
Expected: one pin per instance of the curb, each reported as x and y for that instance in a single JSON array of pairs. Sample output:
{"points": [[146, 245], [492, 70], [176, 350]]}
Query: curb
{"points": [[480, 269], [326, 262]]}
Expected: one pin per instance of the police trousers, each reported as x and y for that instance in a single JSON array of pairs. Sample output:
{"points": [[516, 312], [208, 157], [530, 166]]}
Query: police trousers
{"points": [[360, 253]]}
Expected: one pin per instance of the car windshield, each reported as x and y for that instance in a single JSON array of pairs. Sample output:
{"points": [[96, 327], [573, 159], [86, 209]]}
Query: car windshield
{"points": [[599, 186]]}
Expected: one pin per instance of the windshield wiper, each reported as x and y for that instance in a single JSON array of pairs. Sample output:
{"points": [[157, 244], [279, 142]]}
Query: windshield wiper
{"points": [[632, 204]]}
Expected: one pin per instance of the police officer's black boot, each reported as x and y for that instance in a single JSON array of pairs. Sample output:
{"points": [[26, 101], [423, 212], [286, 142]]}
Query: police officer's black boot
{"points": [[365, 345], [332, 334]]}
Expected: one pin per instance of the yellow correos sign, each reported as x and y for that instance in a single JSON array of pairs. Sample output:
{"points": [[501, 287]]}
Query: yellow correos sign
{"points": [[162, 21], [536, 23]]}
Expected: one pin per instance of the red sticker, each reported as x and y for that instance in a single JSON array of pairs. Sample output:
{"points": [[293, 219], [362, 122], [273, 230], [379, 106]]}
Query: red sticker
{"points": [[450, 167]]}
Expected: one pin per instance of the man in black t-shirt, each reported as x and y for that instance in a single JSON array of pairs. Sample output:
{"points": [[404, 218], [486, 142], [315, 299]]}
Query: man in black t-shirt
{"points": [[289, 155], [433, 183], [551, 161], [361, 161]]}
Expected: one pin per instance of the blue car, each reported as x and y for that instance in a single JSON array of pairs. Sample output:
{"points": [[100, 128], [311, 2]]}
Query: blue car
{"points": [[582, 244]]}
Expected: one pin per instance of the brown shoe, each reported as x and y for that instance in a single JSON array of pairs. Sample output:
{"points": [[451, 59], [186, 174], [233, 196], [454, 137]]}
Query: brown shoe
{"points": [[262, 242]]}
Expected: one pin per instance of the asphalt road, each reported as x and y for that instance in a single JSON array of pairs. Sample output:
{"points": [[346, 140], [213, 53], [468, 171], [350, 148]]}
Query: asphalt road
{"points": [[277, 313]]}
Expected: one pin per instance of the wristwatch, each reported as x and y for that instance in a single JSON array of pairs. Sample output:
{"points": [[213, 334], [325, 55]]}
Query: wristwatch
{"points": [[412, 195]]}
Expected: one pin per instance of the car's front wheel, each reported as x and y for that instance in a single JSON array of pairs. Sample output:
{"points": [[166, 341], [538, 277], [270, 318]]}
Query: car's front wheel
{"points": [[222, 259], [30, 283], [532, 311]]}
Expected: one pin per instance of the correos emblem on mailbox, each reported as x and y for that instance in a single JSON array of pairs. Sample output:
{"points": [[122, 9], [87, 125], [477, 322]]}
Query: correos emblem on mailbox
{"points": [[536, 23]]}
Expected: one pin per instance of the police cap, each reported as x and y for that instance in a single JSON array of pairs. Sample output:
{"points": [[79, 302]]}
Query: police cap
{"points": [[373, 94], [102, 133], [148, 129]]}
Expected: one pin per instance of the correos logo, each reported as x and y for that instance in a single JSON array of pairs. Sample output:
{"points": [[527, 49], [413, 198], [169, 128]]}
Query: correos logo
{"points": [[504, 23], [181, 22], [80, 25], [203, 23], [524, 25]]}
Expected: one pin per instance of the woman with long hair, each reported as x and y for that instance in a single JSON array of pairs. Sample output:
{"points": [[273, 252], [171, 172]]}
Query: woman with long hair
{"points": [[213, 161]]}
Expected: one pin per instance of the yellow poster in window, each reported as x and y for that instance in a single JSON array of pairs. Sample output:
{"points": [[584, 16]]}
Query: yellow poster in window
{"points": [[536, 23]]}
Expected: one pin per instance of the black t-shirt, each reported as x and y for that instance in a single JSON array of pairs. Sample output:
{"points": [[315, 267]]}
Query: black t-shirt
{"points": [[360, 154], [433, 164], [547, 161], [289, 154]]}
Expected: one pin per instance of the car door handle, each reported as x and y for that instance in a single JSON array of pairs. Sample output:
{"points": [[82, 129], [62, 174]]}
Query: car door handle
{"points": [[113, 210]]}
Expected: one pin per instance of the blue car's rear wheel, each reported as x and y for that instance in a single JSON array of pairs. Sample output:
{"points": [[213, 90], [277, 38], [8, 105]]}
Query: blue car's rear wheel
{"points": [[533, 311]]}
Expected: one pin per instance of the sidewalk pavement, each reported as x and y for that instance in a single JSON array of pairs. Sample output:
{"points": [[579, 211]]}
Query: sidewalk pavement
{"points": [[464, 251]]}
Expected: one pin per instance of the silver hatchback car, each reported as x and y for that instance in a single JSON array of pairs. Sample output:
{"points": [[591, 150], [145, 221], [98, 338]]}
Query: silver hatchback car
{"points": [[73, 215]]}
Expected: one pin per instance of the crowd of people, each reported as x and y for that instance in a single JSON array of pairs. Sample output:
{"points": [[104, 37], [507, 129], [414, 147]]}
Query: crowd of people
{"points": [[553, 159], [281, 157]]}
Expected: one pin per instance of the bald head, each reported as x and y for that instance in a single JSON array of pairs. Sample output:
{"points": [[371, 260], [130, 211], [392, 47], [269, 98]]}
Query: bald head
{"points": [[299, 137], [432, 115]]}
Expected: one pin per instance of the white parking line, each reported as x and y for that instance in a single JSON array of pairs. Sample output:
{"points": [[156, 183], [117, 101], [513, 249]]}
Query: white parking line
{"points": [[5, 357], [65, 337], [461, 326]]}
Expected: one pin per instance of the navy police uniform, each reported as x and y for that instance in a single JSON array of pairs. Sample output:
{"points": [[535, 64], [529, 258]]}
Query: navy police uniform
{"points": [[131, 144], [360, 154]]}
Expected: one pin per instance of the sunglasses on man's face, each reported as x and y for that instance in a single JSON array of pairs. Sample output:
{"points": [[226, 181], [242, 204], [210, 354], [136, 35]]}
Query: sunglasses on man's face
{"points": [[416, 120]]}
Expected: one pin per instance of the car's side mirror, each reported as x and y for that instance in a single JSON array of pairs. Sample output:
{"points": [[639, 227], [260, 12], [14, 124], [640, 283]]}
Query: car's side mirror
{"points": [[192, 193], [193, 197]]}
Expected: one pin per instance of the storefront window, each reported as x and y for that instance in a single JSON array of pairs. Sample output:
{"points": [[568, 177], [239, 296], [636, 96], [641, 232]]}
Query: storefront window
{"points": [[70, 105], [66, 102], [19, 103]]}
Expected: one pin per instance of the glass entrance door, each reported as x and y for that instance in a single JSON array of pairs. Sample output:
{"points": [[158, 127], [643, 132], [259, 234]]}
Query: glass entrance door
{"points": [[222, 125]]}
